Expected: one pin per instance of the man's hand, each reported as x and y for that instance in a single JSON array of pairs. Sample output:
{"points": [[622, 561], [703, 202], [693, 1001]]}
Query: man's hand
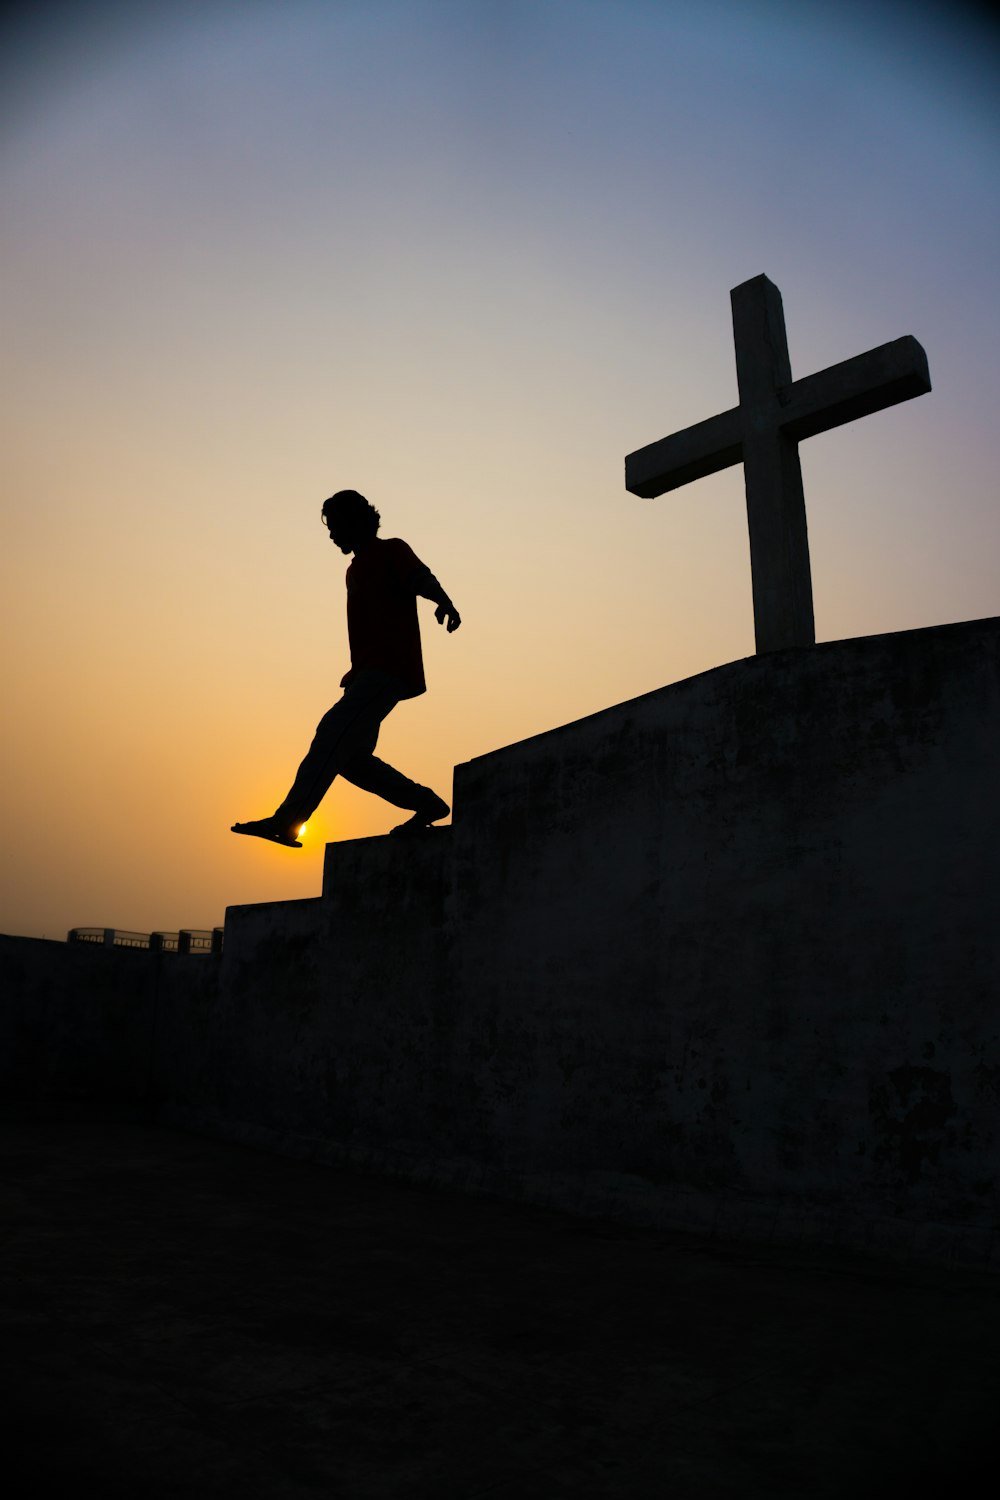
{"points": [[448, 612], [426, 586]]}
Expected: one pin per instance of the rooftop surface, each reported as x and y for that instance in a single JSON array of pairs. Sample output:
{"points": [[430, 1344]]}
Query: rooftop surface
{"points": [[185, 1317]]}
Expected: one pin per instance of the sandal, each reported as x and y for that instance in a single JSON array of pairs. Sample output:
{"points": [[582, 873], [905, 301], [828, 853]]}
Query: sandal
{"points": [[266, 828]]}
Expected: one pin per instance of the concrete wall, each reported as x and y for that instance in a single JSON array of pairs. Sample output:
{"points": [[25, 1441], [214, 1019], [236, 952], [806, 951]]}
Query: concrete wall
{"points": [[724, 957], [81, 1022]]}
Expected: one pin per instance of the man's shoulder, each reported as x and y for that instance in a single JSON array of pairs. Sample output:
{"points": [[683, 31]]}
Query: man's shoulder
{"points": [[399, 553], [384, 549]]}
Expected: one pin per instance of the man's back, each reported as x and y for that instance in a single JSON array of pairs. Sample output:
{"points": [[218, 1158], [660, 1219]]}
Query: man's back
{"points": [[382, 623]]}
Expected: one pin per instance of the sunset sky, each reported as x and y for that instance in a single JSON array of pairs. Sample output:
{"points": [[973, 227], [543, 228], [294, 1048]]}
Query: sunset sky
{"points": [[462, 256]]}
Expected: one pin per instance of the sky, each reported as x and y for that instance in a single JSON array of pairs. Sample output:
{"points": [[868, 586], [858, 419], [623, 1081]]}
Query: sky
{"points": [[463, 257]]}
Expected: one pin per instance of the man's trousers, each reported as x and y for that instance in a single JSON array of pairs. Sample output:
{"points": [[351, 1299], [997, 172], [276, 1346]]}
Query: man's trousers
{"points": [[343, 745]]}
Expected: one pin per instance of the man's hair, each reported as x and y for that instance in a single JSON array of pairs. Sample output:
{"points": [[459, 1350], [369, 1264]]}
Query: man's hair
{"points": [[354, 508]]}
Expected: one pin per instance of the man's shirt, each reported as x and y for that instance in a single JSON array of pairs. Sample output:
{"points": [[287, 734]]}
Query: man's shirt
{"points": [[382, 624]]}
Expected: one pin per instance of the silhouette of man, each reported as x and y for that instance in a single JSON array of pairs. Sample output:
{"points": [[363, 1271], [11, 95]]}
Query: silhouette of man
{"points": [[383, 584]]}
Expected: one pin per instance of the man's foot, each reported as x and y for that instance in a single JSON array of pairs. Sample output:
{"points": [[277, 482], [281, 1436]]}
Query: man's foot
{"points": [[267, 828], [434, 808]]}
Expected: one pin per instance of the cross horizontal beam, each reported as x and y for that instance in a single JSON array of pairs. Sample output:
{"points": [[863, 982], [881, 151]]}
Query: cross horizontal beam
{"points": [[855, 388], [763, 433], [693, 453], [817, 403]]}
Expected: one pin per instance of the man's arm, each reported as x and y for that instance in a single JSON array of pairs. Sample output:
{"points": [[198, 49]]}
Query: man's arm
{"points": [[426, 586]]}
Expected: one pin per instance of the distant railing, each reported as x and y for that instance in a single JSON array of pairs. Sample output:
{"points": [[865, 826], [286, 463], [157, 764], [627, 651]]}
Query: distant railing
{"points": [[189, 940]]}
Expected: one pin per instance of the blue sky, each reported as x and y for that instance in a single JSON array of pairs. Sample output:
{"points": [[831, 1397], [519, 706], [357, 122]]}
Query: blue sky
{"points": [[463, 257]]}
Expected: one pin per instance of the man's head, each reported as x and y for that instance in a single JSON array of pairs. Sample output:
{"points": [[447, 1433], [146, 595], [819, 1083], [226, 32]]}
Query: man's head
{"points": [[350, 519]]}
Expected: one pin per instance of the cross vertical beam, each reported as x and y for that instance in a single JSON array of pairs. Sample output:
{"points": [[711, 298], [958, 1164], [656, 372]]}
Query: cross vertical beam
{"points": [[780, 574], [775, 413]]}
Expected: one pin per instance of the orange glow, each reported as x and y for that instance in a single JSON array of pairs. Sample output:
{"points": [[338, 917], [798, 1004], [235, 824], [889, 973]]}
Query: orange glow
{"points": [[215, 315]]}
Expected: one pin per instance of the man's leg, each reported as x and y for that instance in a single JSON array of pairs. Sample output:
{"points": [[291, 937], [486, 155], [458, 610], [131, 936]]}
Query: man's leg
{"points": [[343, 744], [374, 775], [348, 730]]}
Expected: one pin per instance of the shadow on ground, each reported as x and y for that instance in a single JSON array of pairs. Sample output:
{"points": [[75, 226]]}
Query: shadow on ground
{"points": [[191, 1318]]}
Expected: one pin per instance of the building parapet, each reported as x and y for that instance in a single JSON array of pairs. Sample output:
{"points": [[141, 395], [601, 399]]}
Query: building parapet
{"points": [[187, 940]]}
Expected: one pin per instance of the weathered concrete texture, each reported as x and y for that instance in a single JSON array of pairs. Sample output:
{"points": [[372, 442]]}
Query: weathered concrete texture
{"points": [[722, 957], [79, 1021]]}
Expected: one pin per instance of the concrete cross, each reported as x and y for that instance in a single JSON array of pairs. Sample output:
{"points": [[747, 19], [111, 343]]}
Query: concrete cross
{"points": [[764, 432]]}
